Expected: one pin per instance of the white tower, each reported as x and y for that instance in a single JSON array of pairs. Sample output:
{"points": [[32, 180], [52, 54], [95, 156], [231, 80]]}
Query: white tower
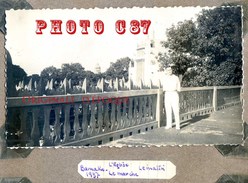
{"points": [[97, 69], [146, 66]]}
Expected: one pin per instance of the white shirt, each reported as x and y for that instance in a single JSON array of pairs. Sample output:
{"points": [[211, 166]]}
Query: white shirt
{"points": [[171, 83]]}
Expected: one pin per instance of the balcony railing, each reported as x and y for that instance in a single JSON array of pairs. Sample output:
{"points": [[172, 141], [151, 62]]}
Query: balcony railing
{"points": [[97, 118]]}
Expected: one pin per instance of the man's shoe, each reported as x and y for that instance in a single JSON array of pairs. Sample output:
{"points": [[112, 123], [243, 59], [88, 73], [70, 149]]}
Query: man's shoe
{"points": [[168, 127]]}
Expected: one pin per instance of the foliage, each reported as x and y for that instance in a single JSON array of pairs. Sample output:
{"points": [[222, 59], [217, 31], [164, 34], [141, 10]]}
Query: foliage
{"points": [[50, 73], [207, 51], [119, 69], [77, 73], [18, 74], [73, 71]]}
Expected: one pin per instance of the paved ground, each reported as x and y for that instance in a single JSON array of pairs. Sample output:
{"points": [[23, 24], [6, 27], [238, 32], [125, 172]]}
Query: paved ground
{"points": [[221, 127]]}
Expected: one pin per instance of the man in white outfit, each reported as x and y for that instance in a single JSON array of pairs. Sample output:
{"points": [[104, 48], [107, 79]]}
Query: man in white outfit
{"points": [[171, 87]]}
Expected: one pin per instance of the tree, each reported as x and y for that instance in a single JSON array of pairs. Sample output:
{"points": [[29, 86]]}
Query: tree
{"points": [[220, 40], [51, 73], [73, 71], [118, 69], [34, 77], [14, 74], [180, 44], [207, 51], [18, 74]]}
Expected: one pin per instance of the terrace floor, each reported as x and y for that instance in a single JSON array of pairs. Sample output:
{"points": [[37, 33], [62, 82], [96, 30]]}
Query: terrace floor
{"points": [[221, 127]]}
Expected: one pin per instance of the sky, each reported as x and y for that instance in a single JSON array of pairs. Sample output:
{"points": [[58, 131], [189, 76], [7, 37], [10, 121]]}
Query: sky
{"points": [[35, 52]]}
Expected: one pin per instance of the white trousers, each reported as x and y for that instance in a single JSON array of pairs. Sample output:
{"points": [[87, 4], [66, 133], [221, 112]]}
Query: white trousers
{"points": [[172, 104]]}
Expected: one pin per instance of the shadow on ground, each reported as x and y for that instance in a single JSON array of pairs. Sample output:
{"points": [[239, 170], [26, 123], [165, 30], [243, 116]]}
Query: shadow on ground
{"points": [[194, 120]]}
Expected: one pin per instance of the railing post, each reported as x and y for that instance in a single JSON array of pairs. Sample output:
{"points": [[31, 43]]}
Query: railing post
{"points": [[66, 85], [215, 98], [23, 129], [35, 133], [129, 84], [46, 125], [159, 106], [85, 85], [116, 84]]}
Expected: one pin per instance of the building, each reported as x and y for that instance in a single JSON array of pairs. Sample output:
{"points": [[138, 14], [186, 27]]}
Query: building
{"points": [[145, 66], [97, 69]]}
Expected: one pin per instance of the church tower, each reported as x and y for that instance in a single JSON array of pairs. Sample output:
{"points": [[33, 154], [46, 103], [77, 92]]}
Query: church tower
{"points": [[145, 67], [97, 69]]}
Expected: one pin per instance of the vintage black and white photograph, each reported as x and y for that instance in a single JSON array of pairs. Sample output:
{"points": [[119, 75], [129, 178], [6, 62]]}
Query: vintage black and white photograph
{"points": [[124, 77]]}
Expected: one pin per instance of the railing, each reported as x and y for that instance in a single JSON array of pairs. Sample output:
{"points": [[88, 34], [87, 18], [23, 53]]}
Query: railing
{"points": [[76, 119], [195, 101], [226, 96], [97, 118]]}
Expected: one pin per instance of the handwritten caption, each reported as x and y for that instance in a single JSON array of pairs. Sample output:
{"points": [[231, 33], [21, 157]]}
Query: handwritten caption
{"points": [[97, 169]]}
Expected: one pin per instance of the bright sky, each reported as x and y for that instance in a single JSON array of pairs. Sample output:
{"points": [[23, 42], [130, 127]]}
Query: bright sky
{"points": [[35, 52]]}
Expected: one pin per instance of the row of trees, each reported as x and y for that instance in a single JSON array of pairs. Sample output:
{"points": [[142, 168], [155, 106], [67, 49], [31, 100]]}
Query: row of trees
{"points": [[207, 51], [74, 71]]}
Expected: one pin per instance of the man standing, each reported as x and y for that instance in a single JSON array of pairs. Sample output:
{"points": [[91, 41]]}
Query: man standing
{"points": [[171, 87]]}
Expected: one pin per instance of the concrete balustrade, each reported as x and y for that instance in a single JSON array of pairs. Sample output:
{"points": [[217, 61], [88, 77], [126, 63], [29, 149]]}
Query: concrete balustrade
{"points": [[97, 118]]}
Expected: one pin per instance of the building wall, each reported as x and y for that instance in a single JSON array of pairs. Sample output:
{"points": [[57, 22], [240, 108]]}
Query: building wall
{"points": [[145, 65]]}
